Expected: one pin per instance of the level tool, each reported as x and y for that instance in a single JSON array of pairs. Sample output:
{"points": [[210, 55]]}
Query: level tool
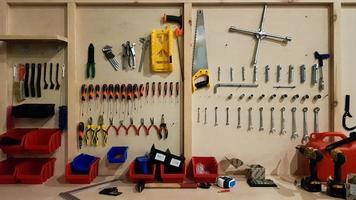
{"points": [[200, 59]]}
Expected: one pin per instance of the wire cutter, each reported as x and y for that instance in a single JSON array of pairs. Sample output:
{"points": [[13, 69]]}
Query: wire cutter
{"points": [[91, 62], [152, 120], [120, 126], [142, 125], [101, 128], [132, 125], [163, 128], [89, 132], [111, 120]]}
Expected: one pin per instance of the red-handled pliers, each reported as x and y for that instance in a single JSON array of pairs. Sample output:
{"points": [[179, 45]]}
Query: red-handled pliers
{"points": [[142, 125], [120, 126], [152, 120], [132, 125]]}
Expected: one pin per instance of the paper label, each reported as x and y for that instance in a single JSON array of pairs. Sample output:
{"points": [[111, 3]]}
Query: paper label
{"points": [[160, 157], [175, 162]]}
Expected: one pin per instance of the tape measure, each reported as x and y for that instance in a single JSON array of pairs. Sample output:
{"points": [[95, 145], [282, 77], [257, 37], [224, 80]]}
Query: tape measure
{"points": [[226, 182]]}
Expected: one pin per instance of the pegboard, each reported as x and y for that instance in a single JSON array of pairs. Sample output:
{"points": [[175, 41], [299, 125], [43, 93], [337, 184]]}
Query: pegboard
{"points": [[227, 50]]}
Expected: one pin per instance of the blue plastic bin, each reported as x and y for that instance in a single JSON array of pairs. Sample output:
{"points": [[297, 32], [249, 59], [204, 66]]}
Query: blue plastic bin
{"points": [[142, 164], [117, 154], [81, 164]]}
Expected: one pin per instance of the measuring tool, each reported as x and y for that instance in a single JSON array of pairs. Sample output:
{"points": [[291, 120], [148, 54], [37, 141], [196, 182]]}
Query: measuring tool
{"points": [[200, 59]]}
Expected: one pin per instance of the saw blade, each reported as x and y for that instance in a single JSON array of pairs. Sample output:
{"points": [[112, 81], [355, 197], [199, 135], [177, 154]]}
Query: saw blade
{"points": [[200, 59]]}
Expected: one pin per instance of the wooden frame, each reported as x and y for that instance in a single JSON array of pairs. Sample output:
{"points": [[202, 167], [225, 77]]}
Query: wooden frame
{"points": [[335, 95]]}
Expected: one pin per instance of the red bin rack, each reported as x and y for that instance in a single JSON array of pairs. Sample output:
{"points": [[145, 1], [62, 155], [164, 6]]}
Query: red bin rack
{"points": [[43, 141], [17, 134], [210, 164], [147, 178], [172, 177], [82, 178], [35, 170]]}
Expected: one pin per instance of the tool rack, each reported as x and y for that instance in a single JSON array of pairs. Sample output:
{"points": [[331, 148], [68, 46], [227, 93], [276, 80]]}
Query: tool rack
{"points": [[72, 25]]}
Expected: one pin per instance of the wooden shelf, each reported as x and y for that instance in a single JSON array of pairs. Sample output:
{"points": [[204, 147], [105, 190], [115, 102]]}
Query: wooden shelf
{"points": [[44, 38]]}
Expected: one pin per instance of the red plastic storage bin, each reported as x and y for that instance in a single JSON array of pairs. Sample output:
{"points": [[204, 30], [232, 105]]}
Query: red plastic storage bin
{"points": [[43, 141], [17, 134], [8, 171], [210, 165], [168, 177], [147, 178], [35, 170], [326, 165], [82, 178]]}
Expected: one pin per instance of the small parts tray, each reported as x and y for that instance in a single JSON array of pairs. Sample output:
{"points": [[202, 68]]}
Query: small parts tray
{"points": [[28, 171], [136, 177], [168, 176], [117, 154], [38, 141], [74, 178], [209, 165]]}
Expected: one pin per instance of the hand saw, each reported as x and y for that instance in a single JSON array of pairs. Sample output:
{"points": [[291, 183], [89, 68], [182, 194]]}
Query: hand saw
{"points": [[200, 59]]}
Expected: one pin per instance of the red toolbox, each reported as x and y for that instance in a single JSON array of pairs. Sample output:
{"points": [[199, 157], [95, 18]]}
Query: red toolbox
{"points": [[210, 167], [169, 177], [43, 141], [15, 139], [326, 165], [147, 178], [82, 178], [35, 170]]}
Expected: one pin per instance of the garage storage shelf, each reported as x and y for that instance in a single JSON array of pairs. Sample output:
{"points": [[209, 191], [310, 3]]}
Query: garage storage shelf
{"points": [[37, 38]]}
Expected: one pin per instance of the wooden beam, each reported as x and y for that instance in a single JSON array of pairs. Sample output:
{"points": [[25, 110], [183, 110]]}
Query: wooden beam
{"points": [[72, 83], [336, 109], [187, 106]]}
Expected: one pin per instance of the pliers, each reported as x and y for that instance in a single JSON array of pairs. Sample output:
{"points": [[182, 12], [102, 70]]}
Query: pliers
{"points": [[163, 128], [91, 62], [89, 132], [111, 120], [120, 126], [101, 128], [142, 125], [132, 125], [152, 120]]}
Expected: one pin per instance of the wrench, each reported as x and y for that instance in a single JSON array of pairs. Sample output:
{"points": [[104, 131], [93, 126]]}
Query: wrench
{"points": [[250, 127], [272, 130], [219, 73], [216, 116], [302, 74], [283, 120], [238, 117], [261, 119], [231, 74], [227, 116], [267, 68], [305, 127], [314, 74], [290, 74], [294, 124], [205, 115], [145, 43], [198, 115], [316, 119], [243, 73], [254, 74], [279, 68]]}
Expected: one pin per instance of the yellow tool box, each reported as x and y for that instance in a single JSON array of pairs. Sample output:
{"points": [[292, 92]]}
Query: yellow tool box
{"points": [[162, 50]]}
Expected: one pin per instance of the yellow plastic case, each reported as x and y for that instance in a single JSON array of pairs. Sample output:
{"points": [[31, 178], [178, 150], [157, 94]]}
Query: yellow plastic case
{"points": [[162, 50]]}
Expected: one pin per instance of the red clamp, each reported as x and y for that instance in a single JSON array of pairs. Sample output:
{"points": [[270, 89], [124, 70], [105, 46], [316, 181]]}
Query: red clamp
{"points": [[132, 125], [142, 125]]}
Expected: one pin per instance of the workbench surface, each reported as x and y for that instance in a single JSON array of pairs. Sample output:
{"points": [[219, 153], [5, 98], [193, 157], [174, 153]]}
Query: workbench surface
{"points": [[52, 188]]}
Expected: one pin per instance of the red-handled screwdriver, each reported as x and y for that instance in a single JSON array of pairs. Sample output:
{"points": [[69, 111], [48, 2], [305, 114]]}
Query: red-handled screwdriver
{"points": [[91, 94], [170, 91], [123, 97], [83, 92], [153, 91], [177, 91], [135, 94], [141, 91], [104, 94], [128, 97], [111, 97], [97, 95], [147, 90], [117, 95]]}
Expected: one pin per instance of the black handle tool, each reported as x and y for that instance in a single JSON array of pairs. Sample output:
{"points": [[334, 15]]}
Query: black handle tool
{"points": [[32, 81], [50, 76], [27, 74], [38, 82], [44, 76], [57, 82]]}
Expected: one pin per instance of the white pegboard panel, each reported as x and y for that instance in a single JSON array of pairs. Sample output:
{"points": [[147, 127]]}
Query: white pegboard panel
{"points": [[308, 26]]}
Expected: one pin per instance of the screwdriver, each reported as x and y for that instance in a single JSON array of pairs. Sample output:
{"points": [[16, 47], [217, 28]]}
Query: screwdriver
{"points": [[111, 97], [159, 88], [147, 90], [153, 91], [141, 90], [97, 95], [117, 95], [83, 91], [135, 94], [128, 97], [80, 134], [90, 94], [177, 90], [123, 97], [165, 87], [104, 90], [170, 90]]}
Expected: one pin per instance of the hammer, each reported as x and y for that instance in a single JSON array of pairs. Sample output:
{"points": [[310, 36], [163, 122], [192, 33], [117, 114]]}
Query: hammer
{"points": [[141, 186]]}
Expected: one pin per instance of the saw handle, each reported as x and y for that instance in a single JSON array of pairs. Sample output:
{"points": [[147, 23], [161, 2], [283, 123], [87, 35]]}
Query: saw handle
{"points": [[205, 83], [174, 19]]}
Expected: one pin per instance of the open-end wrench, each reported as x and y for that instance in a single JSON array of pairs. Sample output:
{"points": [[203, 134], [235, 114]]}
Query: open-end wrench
{"points": [[198, 115], [205, 109], [216, 116], [315, 76], [272, 129], [243, 73], [254, 78], [250, 127], [290, 74], [239, 117], [294, 124], [302, 74], [316, 119], [279, 68], [219, 73], [305, 127], [145, 41], [283, 121], [261, 119], [227, 116], [267, 73], [231, 74]]}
